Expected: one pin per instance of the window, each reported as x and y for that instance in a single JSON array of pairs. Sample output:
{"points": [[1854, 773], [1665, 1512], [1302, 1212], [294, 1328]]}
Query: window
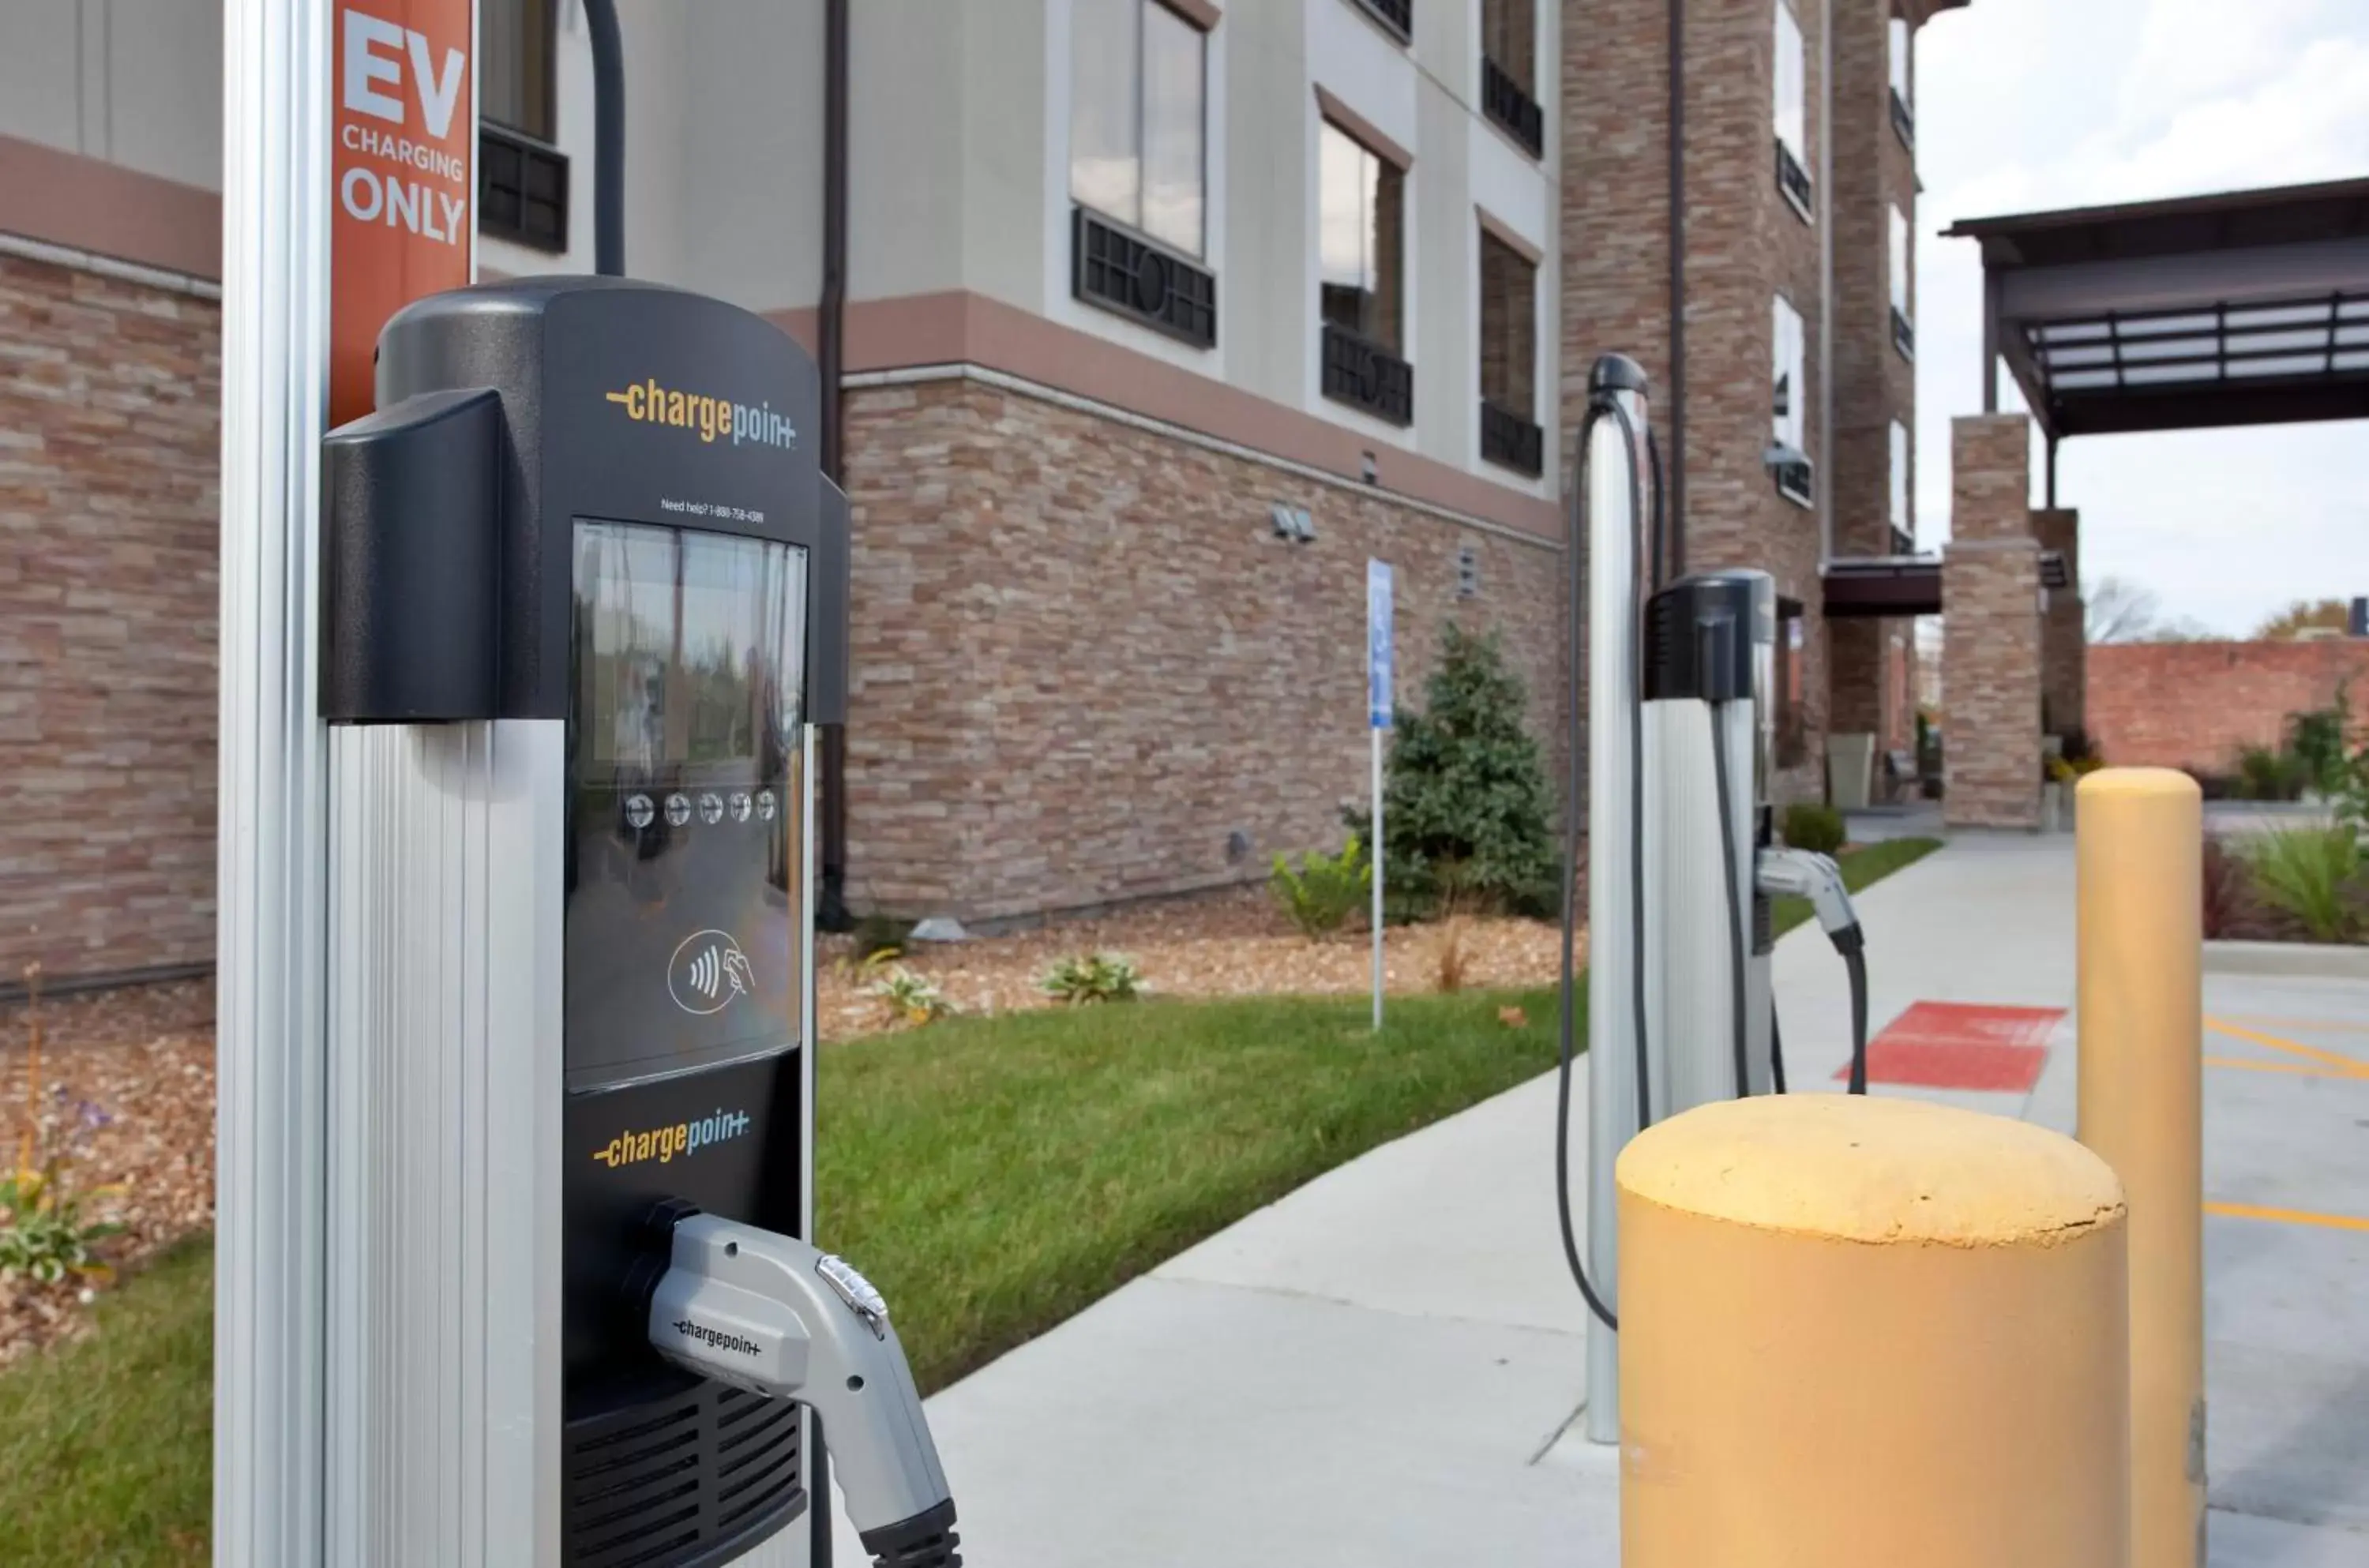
{"points": [[1903, 532], [1792, 113], [1788, 441], [1361, 205], [1792, 719], [1509, 349], [515, 39], [1904, 333], [1361, 202], [1509, 71], [1136, 119], [1397, 15], [1904, 120]]}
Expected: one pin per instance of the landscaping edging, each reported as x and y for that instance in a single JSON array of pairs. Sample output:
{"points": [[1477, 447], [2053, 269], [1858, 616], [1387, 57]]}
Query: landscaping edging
{"points": [[2310, 960]]}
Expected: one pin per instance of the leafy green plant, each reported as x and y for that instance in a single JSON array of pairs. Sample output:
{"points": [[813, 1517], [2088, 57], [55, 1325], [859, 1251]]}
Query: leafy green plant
{"points": [[1093, 976], [912, 998], [2310, 874], [2270, 773], [1465, 794], [1325, 891], [2316, 740], [45, 1234], [1818, 829]]}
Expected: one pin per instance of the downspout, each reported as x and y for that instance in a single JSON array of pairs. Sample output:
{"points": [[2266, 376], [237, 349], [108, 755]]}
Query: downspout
{"points": [[608, 138], [1678, 477], [1825, 490], [831, 323]]}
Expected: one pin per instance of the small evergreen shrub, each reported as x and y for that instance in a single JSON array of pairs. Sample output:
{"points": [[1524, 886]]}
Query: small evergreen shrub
{"points": [[2310, 874], [1818, 829], [1465, 804]]}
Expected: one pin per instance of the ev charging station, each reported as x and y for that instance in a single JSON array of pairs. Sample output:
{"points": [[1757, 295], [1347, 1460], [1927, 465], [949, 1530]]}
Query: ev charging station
{"points": [[1682, 863], [584, 600]]}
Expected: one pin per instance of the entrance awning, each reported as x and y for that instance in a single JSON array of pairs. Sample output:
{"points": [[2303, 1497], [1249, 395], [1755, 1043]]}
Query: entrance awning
{"points": [[1905, 585], [2245, 308]]}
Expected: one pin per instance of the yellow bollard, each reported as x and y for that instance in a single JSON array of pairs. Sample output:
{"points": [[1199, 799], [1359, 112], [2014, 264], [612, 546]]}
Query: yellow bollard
{"points": [[1870, 1334], [2140, 851]]}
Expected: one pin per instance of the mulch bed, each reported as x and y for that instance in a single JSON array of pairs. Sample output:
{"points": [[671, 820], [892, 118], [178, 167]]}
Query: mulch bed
{"points": [[143, 1056]]}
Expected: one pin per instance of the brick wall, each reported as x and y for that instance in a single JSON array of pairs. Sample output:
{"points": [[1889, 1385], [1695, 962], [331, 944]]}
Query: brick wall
{"points": [[2194, 704], [1874, 384], [2064, 644], [107, 606], [1990, 620], [1744, 244], [1082, 660]]}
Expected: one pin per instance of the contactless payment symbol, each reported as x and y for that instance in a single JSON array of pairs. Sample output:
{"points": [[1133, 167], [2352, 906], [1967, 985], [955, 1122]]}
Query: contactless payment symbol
{"points": [[707, 971]]}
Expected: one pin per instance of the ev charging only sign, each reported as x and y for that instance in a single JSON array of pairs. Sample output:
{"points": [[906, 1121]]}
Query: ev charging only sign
{"points": [[404, 160]]}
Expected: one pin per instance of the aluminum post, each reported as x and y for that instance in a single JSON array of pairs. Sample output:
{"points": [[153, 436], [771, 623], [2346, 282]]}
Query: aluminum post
{"points": [[270, 946], [1616, 467]]}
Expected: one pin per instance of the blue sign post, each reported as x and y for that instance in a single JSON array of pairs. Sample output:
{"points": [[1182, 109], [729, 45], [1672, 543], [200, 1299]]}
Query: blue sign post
{"points": [[1379, 703]]}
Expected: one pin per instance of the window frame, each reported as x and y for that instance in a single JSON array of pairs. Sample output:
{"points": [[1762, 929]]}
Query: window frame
{"points": [[1789, 58], [546, 57], [1901, 455], [1510, 433], [1795, 476], [1136, 223], [1900, 47], [1899, 264], [1356, 367]]}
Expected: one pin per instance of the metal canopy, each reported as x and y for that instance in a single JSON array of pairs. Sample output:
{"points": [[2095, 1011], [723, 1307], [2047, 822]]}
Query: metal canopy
{"points": [[1855, 586], [2245, 308]]}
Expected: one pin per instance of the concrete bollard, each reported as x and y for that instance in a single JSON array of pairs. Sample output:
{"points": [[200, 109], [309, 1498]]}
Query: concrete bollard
{"points": [[2140, 949], [1869, 1333]]}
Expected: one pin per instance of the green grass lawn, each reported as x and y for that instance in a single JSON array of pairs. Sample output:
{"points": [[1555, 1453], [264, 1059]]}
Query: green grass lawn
{"points": [[992, 1176]]}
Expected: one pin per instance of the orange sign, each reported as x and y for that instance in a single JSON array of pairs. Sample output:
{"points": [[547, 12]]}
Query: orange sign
{"points": [[404, 165]]}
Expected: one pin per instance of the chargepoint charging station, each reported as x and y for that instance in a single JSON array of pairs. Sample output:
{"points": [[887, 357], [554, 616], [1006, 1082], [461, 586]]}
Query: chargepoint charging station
{"points": [[1669, 766], [584, 600]]}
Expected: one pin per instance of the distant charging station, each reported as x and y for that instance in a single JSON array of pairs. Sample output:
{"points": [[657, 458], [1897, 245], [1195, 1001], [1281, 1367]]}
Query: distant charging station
{"points": [[584, 601]]}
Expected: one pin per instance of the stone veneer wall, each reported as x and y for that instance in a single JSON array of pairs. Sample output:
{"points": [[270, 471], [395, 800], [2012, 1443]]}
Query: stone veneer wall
{"points": [[1990, 625], [109, 587], [1082, 660]]}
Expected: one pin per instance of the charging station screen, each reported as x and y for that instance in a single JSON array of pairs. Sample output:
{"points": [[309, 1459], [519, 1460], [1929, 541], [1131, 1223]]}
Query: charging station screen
{"points": [[690, 653]]}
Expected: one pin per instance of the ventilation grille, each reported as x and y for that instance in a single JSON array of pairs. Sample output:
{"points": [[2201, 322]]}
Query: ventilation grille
{"points": [[675, 1480]]}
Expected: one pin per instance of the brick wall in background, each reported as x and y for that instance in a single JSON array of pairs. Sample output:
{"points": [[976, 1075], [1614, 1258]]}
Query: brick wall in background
{"points": [[107, 606], [2194, 704], [1083, 661]]}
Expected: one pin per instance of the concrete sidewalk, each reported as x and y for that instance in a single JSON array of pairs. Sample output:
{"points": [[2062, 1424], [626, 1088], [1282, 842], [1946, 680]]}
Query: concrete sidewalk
{"points": [[1383, 1369]]}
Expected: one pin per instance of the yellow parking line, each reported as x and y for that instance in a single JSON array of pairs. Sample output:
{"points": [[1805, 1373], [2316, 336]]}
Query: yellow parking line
{"points": [[2304, 1070], [2286, 1215], [2341, 1025], [2350, 1066]]}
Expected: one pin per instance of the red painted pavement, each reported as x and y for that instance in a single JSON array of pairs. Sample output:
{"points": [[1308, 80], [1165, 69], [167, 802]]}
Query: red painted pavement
{"points": [[1952, 1045]]}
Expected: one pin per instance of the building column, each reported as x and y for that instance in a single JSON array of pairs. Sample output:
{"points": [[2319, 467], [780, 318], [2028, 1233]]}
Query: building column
{"points": [[2064, 680], [1991, 660]]}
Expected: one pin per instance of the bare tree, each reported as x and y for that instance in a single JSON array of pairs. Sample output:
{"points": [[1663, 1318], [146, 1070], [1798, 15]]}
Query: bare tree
{"points": [[2116, 610]]}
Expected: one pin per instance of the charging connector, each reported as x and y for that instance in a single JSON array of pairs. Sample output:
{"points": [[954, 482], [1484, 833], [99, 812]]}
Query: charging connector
{"points": [[771, 1314], [1782, 873]]}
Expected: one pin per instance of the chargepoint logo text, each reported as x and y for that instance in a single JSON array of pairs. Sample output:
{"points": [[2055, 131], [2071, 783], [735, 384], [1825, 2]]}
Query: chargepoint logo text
{"points": [[716, 1339], [710, 418], [661, 1144]]}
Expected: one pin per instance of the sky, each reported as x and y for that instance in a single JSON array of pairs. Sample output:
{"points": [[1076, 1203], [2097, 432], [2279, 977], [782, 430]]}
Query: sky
{"points": [[2032, 104]]}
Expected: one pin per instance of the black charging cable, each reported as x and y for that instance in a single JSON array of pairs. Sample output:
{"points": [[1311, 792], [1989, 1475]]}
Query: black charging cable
{"points": [[1711, 634], [1575, 758]]}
